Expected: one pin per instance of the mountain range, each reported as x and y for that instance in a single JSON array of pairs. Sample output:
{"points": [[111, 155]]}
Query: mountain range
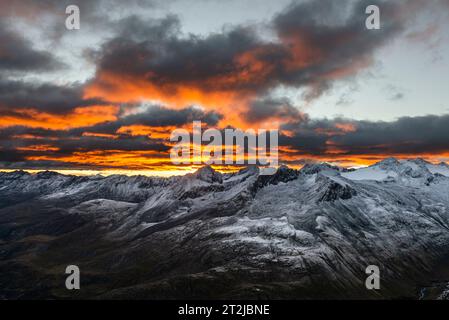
{"points": [[297, 234]]}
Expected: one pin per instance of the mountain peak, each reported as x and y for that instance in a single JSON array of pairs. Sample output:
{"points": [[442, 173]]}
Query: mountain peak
{"points": [[208, 174], [46, 174], [15, 174], [388, 162], [251, 169], [312, 168], [282, 174], [420, 161], [331, 188]]}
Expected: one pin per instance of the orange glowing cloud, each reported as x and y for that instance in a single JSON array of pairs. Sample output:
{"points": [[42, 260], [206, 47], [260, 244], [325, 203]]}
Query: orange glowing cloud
{"points": [[120, 89], [38, 147], [79, 117], [153, 132], [100, 135], [137, 160], [301, 53], [340, 129], [346, 127], [32, 137]]}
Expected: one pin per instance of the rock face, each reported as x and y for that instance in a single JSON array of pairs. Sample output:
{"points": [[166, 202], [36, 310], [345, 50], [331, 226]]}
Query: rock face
{"points": [[306, 233], [330, 189], [208, 174], [283, 174]]}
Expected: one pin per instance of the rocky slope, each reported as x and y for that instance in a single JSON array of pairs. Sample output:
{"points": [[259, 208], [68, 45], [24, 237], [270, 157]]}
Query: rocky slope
{"points": [[306, 233]]}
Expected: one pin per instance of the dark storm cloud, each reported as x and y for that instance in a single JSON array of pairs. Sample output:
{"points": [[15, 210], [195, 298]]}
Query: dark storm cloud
{"points": [[9, 132], [305, 138], [43, 97], [407, 135], [312, 51], [18, 161], [271, 108], [152, 50], [18, 55], [122, 143], [16, 142], [426, 134], [69, 142], [334, 33], [318, 43], [21, 152], [156, 116]]}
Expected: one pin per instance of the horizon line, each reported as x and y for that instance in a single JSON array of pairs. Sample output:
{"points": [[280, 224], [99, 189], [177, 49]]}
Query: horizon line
{"points": [[182, 172]]}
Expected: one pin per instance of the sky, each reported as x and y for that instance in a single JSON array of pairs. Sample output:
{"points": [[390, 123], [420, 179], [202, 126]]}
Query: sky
{"points": [[106, 97]]}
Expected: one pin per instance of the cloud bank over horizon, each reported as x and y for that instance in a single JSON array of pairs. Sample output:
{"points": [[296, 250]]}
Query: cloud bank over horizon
{"points": [[108, 95]]}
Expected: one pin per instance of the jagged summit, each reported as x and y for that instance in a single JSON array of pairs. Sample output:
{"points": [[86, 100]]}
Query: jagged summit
{"points": [[419, 161], [251, 169], [208, 174], [393, 162], [312, 168], [389, 168], [407, 171], [47, 174], [332, 187], [282, 174], [15, 173], [388, 163]]}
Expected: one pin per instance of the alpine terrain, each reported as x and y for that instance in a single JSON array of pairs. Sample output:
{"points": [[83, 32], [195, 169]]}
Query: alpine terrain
{"points": [[298, 234]]}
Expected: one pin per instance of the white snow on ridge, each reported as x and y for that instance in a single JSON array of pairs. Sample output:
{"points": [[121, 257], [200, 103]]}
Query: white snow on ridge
{"points": [[369, 173], [385, 169], [334, 176], [411, 164], [441, 169]]}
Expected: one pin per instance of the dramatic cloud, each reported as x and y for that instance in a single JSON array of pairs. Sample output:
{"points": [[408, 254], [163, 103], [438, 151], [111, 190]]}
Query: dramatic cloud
{"points": [[18, 54], [40, 146], [270, 109], [156, 116], [136, 137], [149, 77], [151, 59], [345, 139], [328, 41], [49, 98]]}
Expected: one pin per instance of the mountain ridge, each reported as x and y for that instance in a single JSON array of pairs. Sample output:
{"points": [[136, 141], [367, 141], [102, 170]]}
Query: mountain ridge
{"points": [[309, 167], [307, 233]]}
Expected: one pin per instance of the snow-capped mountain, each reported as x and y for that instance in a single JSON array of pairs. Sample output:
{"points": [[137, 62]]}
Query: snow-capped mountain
{"points": [[306, 233]]}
